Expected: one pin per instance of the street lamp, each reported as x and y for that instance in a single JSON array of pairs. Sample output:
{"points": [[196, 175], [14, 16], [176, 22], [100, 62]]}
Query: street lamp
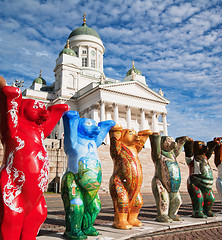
{"points": [[17, 83]]}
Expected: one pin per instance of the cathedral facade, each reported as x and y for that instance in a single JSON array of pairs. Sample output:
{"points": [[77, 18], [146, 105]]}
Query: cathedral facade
{"points": [[81, 83]]}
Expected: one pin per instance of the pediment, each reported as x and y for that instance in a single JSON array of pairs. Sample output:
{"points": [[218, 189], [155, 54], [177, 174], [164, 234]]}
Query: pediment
{"points": [[135, 89]]}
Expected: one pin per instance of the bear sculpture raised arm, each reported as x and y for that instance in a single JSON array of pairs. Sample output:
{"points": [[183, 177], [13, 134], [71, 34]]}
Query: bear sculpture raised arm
{"points": [[24, 124], [82, 180], [126, 181], [200, 180], [167, 178]]}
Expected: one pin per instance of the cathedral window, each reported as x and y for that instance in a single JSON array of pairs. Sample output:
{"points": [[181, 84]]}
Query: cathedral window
{"points": [[84, 52], [84, 62], [93, 63]]}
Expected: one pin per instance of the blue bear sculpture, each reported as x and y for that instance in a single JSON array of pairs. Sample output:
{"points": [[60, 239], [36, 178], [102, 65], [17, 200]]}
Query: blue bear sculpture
{"points": [[82, 180]]}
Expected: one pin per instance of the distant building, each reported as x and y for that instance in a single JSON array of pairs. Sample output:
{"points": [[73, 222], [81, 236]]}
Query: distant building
{"points": [[81, 83]]}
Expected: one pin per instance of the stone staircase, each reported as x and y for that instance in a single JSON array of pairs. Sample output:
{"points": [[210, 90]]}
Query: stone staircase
{"points": [[57, 165], [148, 169]]}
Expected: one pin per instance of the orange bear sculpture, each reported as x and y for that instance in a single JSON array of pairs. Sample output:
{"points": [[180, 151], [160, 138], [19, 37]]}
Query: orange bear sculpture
{"points": [[127, 178]]}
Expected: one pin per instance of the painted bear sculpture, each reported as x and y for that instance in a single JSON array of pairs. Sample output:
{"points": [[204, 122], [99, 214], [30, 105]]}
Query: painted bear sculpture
{"points": [[200, 180], [24, 173], [167, 179], [82, 180], [126, 180], [218, 163]]}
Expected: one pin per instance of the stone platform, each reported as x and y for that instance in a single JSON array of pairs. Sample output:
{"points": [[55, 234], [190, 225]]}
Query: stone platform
{"points": [[151, 226], [54, 225]]}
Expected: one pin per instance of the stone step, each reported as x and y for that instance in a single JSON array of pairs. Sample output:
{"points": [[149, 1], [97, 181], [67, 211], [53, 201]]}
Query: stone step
{"points": [[148, 169]]}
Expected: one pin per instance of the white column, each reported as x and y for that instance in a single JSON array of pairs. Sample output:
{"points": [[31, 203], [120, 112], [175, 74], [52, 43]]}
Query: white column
{"points": [[109, 113], [85, 115], [88, 57], [165, 132], [78, 81], [60, 131], [128, 117], [102, 111], [154, 122], [80, 51], [142, 119], [116, 112], [94, 113]]}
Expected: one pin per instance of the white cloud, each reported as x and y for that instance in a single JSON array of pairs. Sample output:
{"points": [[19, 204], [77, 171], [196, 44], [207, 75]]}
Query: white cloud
{"points": [[175, 44]]}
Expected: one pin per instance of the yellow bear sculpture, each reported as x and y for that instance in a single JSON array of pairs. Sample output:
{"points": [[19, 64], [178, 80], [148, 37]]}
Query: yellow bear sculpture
{"points": [[127, 178]]}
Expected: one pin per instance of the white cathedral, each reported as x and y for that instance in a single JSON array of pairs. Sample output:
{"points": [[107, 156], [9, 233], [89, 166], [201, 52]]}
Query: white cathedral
{"points": [[81, 83]]}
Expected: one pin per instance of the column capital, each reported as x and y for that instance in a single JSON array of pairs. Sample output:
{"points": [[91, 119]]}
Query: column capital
{"points": [[115, 104], [101, 101], [155, 112], [94, 106]]}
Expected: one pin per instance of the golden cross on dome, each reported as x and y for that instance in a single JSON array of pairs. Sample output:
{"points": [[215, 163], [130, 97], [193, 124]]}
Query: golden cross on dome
{"points": [[84, 19], [133, 63], [40, 73], [67, 44]]}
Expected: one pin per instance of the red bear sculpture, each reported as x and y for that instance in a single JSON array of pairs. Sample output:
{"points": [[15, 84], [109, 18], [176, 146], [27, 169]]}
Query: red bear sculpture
{"points": [[24, 123]]}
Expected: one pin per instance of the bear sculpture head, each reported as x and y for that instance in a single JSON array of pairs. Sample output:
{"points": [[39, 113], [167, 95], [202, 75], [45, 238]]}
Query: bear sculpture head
{"points": [[129, 137], [33, 112], [88, 128], [199, 148], [168, 143]]}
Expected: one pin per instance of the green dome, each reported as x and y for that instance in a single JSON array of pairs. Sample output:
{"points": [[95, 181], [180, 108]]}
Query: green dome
{"points": [[39, 80], [84, 30], [68, 51], [135, 70]]}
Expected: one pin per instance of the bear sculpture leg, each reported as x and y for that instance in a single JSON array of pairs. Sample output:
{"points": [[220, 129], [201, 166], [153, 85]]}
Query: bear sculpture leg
{"points": [[162, 200], [126, 208], [175, 202], [120, 199], [219, 187], [24, 227], [74, 207], [34, 220], [167, 203], [202, 201], [82, 205], [209, 200], [10, 220], [135, 206]]}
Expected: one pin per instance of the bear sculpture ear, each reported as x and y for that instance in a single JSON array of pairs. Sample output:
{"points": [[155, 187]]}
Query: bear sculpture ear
{"points": [[188, 147], [2, 82], [199, 148]]}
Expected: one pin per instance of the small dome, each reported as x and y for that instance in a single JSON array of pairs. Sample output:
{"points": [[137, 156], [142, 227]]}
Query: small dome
{"points": [[67, 50], [137, 71], [40, 79], [84, 30]]}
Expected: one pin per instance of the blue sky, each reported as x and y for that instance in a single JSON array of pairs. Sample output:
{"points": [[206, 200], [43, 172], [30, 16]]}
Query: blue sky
{"points": [[175, 44]]}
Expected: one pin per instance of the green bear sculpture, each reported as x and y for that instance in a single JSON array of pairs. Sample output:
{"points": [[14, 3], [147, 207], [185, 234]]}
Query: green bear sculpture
{"points": [[167, 178], [200, 180]]}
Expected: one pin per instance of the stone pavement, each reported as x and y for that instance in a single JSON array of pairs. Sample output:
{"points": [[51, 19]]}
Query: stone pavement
{"points": [[53, 228], [110, 233]]}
